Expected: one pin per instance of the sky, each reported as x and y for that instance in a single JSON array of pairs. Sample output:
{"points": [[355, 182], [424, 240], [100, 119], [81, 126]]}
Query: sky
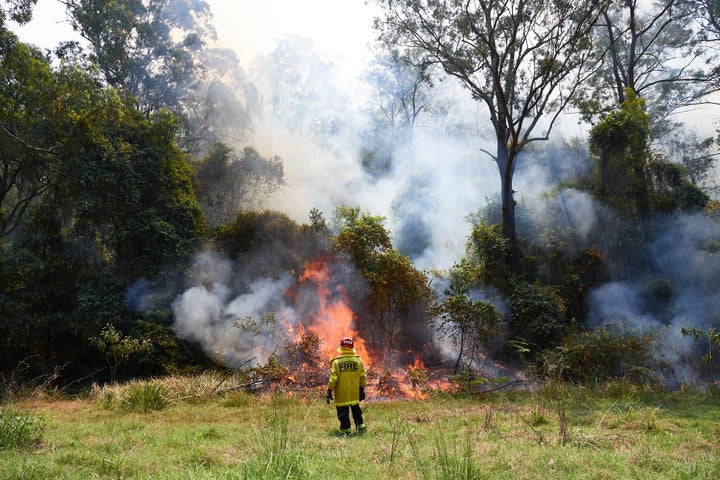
{"points": [[340, 28]]}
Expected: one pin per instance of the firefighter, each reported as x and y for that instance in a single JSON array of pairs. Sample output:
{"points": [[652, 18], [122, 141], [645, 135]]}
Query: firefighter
{"points": [[347, 379]]}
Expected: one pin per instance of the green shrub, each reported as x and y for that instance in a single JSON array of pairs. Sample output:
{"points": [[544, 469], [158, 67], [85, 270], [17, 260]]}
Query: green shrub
{"points": [[603, 354], [538, 317], [19, 429], [143, 397]]}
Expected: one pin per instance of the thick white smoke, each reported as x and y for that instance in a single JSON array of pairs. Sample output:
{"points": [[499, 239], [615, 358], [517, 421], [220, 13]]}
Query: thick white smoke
{"points": [[234, 329]]}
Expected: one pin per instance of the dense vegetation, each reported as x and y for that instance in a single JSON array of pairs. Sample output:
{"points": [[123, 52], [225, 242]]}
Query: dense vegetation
{"points": [[123, 169]]}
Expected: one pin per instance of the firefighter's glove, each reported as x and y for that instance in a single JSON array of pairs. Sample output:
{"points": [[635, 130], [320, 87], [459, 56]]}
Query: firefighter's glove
{"points": [[328, 397], [362, 393]]}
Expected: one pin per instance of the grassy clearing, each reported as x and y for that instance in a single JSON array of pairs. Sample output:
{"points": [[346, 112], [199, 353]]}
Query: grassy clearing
{"points": [[617, 432]]}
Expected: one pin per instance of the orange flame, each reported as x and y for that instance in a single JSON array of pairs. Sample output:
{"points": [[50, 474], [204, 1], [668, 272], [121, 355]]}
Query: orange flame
{"points": [[334, 318]]}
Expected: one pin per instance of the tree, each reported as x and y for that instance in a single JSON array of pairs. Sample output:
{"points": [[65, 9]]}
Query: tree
{"points": [[398, 294], [118, 349], [401, 93], [160, 54], [632, 178], [658, 51], [648, 47], [30, 93], [523, 59], [297, 91], [19, 11], [94, 195], [468, 321], [229, 183], [142, 47], [362, 236], [620, 145]]}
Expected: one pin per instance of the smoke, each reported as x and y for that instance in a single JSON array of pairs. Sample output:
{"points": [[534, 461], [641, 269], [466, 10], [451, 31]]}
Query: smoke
{"points": [[232, 328], [314, 118], [672, 287]]}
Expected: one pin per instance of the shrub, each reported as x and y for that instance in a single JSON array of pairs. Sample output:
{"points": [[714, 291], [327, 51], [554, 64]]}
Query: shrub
{"points": [[19, 429], [538, 317], [602, 354]]}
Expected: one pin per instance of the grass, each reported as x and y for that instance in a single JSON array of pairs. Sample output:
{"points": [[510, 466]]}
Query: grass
{"points": [[620, 431]]}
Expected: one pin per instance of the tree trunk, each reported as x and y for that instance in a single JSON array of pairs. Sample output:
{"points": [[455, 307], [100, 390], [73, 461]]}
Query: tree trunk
{"points": [[506, 166]]}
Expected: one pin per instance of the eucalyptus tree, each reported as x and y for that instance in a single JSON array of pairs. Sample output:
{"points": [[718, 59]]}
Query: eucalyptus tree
{"points": [[401, 92], [297, 90], [398, 295], [162, 54], [229, 183], [655, 50], [19, 11], [144, 48], [522, 59]]}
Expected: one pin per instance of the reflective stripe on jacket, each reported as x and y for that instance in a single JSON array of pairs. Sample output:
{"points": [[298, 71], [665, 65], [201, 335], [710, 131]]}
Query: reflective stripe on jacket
{"points": [[347, 375]]}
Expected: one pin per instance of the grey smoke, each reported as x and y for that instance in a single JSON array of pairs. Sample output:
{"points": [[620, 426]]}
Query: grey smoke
{"points": [[682, 258], [230, 327]]}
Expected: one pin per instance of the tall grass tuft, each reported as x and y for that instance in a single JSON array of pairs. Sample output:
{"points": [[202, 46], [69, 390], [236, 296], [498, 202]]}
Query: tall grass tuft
{"points": [[456, 465], [143, 397], [448, 463], [275, 447], [19, 429]]}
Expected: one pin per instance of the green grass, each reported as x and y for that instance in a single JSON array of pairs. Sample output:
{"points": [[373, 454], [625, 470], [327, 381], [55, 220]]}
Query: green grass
{"points": [[618, 432]]}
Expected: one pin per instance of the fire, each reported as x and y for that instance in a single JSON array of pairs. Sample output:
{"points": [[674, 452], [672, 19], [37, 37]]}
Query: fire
{"points": [[334, 318], [392, 375]]}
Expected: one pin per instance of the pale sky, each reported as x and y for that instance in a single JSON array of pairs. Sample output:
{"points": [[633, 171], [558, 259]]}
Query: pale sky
{"points": [[341, 29]]}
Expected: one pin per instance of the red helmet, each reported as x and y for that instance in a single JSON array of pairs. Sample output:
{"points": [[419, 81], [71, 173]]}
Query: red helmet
{"points": [[347, 342]]}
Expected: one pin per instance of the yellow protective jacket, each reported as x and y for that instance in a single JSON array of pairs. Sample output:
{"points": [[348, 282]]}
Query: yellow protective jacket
{"points": [[347, 375]]}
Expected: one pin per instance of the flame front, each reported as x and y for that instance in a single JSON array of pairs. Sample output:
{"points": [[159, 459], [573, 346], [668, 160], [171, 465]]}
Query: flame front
{"points": [[334, 318], [328, 317]]}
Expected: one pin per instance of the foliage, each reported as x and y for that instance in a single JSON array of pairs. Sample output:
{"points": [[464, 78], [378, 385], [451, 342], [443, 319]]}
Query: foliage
{"points": [[360, 235], [601, 355], [266, 242], [487, 249], [523, 67], [20, 429], [298, 81], [305, 360], [398, 291], [619, 144], [229, 183], [460, 315], [31, 125], [655, 50], [94, 196], [400, 87], [273, 370], [399, 297], [538, 317], [118, 349], [160, 54], [19, 11], [712, 337], [671, 190]]}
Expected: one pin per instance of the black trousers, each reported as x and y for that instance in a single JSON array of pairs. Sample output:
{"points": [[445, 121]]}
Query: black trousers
{"points": [[343, 414]]}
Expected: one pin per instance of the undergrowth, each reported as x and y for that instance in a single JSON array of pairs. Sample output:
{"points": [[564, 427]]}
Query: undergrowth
{"points": [[20, 428]]}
